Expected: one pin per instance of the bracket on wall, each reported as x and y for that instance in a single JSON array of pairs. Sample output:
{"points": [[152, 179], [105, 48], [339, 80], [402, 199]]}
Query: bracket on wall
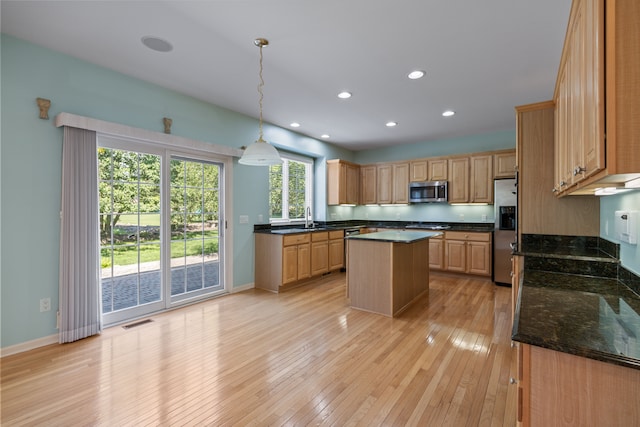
{"points": [[167, 124], [43, 105]]}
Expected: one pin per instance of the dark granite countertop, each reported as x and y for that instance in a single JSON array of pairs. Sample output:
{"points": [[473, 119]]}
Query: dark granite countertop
{"points": [[592, 317], [400, 236], [343, 225]]}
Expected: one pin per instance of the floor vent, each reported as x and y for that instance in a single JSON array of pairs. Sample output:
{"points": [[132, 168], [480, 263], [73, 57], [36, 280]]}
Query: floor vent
{"points": [[133, 325]]}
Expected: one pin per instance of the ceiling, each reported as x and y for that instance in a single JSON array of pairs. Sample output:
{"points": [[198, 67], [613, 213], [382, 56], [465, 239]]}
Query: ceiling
{"points": [[481, 58]]}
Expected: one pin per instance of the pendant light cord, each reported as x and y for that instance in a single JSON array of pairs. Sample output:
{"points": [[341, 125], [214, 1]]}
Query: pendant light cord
{"points": [[260, 86]]}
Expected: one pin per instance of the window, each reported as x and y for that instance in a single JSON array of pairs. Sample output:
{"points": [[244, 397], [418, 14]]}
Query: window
{"points": [[290, 188]]}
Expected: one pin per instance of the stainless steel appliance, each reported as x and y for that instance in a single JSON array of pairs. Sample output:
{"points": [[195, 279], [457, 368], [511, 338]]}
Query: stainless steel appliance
{"points": [[348, 232], [505, 202], [428, 192]]}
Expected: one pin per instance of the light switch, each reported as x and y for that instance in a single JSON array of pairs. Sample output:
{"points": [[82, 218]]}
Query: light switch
{"points": [[244, 219]]}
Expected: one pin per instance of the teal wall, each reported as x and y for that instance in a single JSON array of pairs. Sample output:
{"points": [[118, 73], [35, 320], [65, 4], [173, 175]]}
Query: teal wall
{"points": [[629, 254], [30, 169]]}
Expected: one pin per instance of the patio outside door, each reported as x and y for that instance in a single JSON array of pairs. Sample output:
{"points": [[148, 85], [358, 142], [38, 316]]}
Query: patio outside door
{"points": [[161, 240]]}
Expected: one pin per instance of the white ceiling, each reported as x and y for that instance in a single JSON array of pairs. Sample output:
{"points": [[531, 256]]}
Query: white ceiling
{"points": [[481, 58]]}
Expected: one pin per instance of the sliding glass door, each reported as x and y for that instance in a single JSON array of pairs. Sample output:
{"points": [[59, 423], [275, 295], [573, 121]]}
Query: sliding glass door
{"points": [[160, 229]]}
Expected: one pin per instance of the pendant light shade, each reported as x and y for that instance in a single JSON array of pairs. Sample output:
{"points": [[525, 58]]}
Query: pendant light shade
{"points": [[260, 153]]}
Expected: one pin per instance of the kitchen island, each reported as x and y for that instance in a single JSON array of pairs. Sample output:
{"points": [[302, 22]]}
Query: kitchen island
{"points": [[388, 270]]}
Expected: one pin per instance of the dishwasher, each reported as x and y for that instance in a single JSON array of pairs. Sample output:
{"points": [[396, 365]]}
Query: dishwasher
{"points": [[348, 232]]}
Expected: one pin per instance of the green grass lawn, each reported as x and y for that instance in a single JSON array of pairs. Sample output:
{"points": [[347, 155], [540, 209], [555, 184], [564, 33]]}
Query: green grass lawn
{"points": [[150, 251], [145, 219]]}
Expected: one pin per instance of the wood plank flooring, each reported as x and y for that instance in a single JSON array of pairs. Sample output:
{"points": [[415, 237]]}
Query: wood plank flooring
{"points": [[298, 358]]}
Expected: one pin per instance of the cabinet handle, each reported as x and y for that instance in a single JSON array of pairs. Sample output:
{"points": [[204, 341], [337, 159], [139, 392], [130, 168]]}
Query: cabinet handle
{"points": [[562, 183], [511, 273], [578, 170], [555, 190], [513, 381]]}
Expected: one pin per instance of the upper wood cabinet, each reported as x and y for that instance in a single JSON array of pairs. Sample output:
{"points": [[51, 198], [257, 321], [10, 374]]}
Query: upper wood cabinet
{"points": [[481, 182], [368, 185], [458, 180], [385, 183], [438, 169], [343, 182], [400, 183], [504, 164], [597, 137], [418, 170]]}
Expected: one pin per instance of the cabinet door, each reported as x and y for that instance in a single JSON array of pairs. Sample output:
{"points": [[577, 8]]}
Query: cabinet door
{"points": [[385, 183], [479, 258], [319, 258], [304, 261], [481, 179], [418, 171], [368, 185], [336, 254], [504, 165], [455, 255], [352, 184], [336, 175], [436, 254], [400, 183], [459, 180], [289, 264], [438, 170]]}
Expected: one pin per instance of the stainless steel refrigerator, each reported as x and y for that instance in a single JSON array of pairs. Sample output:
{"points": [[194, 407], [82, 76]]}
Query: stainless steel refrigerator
{"points": [[505, 201]]}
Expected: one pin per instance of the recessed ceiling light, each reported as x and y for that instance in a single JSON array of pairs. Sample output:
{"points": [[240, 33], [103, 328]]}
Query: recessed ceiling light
{"points": [[416, 74], [391, 124], [295, 125], [325, 136], [448, 113], [157, 44], [344, 95]]}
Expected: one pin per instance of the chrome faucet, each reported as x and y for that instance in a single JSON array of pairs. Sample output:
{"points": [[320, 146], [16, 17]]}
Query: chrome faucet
{"points": [[307, 216]]}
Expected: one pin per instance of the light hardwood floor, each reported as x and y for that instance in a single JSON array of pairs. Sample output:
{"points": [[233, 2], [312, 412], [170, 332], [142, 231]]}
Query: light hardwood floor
{"points": [[298, 358]]}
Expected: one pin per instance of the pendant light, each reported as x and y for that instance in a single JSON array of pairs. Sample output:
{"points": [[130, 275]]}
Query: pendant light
{"points": [[260, 153]]}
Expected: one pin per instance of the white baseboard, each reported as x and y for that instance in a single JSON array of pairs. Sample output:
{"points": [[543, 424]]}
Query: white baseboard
{"points": [[28, 345], [242, 288]]}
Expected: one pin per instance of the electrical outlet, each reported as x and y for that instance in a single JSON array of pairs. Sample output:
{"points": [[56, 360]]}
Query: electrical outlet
{"points": [[260, 218], [45, 304], [484, 218], [461, 217], [397, 216]]}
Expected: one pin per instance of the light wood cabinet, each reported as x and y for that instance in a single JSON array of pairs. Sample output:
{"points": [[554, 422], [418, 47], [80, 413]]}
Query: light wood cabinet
{"points": [[385, 183], [368, 185], [336, 250], [297, 258], [504, 164], [400, 183], [319, 253], [438, 169], [287, 260], [598, 136], [517, 268], [539, 211], [481, 182], [458, 180], [436, 253], [561, 389], [343, 182], [419, 170], [468, 252]]}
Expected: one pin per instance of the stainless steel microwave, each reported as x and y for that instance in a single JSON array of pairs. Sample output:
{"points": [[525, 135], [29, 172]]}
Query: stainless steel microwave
{"points": [[428, 192]]}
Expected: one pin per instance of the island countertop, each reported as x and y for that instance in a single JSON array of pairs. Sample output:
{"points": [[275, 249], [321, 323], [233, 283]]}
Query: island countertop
{"points": [[399, 236]]}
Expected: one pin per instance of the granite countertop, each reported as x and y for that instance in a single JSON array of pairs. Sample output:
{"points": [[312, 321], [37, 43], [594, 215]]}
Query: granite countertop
{"points": [[399, 236], [413, 225], [592, 317]]}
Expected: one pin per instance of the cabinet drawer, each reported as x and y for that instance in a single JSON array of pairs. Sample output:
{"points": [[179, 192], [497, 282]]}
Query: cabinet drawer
{"points": [[295, 239], [319, 236], [468, 236], [337, 234]]}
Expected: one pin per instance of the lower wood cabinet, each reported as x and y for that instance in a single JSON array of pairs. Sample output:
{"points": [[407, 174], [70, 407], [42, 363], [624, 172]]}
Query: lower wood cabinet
{"points": [[467, 252], [561, 389], [286, 260], [436, 253]]}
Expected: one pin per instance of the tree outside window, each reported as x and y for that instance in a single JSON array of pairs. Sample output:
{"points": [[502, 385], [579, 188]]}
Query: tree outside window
{"points": [[290, 188]]}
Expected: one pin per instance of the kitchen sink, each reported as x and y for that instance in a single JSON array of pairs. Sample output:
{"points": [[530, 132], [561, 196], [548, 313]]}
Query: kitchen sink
{"points": [[296, 230], [428, 226]]}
